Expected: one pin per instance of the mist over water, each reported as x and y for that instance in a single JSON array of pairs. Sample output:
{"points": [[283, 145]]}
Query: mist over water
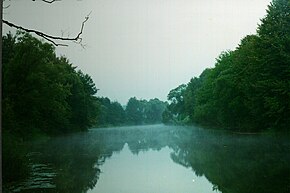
{"points": [[149, 171], [144, 48], [161, 158]]}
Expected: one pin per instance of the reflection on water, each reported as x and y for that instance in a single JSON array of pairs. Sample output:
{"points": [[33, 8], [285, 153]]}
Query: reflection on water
{"points": [[163, 159], [151, 171]]}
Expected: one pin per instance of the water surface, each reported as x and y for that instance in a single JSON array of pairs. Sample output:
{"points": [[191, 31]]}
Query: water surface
{"points": [[150, 171], [159, 159]]}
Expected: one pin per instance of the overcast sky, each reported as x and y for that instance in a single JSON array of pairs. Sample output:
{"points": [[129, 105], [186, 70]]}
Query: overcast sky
{"points": [[142, 48]]}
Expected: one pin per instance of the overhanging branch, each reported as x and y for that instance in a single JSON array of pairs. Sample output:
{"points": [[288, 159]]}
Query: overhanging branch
{"points": [[46, 1], [48, 37]]}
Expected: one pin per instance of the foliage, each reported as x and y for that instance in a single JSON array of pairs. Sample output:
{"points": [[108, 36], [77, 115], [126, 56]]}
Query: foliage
{"points": [[42, 95], [176, 98], [144, 112], [153, 110], [111, 113], [249, 88], [42, 91], [46, 95], [136, 112]]}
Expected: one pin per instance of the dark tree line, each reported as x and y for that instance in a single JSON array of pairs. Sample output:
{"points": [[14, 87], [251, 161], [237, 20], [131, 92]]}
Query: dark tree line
{"points": [[111, 113], [45, 95], [136, 112], [249, 88], [42, 94]]}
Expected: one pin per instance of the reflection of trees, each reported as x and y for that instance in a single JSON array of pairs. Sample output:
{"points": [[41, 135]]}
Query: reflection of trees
{"points": [[143, 140], [237, 163], [233, 163], [76, 158], [73, 159]]}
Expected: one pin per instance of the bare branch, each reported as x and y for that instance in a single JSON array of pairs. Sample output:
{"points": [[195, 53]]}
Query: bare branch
{"points": [[51, 38], [5, 7], [46, 1]]}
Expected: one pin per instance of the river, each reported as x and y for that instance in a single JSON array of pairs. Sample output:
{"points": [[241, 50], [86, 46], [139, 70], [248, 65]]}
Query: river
{"points": [[159, 159]]}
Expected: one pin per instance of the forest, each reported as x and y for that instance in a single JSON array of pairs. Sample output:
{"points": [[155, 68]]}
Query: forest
{"points": [[45, 95], [136, 112], [248, 90]]}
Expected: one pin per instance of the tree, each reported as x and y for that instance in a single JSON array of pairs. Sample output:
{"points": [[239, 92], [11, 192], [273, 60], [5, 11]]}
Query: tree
{"points": [[176, 98], [134, 111], [117, 115], [42, 91], [111, 113], [31, 84], [274, 33], [249, 88], [153, 110], [42, 95], [51, 38]]}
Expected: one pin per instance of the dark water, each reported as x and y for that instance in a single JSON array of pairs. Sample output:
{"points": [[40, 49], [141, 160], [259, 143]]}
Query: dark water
{"points": [[159, 159]]}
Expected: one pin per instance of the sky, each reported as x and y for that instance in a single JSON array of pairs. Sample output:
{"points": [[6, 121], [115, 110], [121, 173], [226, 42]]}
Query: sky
{"points": [[141, 48]]}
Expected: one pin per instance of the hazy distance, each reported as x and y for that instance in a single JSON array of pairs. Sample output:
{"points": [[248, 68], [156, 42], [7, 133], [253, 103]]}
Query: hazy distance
{"points": [[142, 48]]}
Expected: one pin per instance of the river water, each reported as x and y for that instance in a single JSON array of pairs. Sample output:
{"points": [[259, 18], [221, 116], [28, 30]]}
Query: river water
{"points": [[159, 159]]}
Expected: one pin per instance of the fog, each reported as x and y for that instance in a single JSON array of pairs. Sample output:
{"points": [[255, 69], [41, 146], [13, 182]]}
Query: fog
{"points": [[142, 48], [159, 158]]}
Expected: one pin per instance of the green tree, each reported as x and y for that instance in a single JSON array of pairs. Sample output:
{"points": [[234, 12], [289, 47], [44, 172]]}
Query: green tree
{"points": [[83, 103], [176, 102], [153, 110], [33, 87], [134, 111], [42, 94], [274, 33], [249, 88], [111, 113]]}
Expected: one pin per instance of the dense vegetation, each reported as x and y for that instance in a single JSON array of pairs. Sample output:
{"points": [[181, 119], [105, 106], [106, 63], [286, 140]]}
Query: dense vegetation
{"points": [[249, 88], [45, 95], [136, 112], [42, 94]]}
